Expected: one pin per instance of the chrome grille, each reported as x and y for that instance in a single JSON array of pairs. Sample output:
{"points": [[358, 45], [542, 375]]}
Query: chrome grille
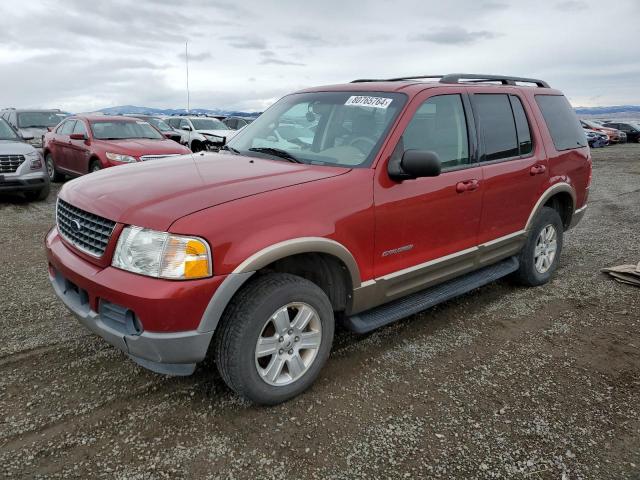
{"points": [[86, 231], [10, 163], [144, 158]]}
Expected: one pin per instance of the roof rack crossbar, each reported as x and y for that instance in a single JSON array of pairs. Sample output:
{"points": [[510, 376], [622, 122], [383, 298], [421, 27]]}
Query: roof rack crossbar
{"points": [[469, 77]]}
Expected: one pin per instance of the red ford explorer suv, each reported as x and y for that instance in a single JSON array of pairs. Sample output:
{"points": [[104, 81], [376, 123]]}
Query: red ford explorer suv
{"points": [[361, 203], [88, 143]]}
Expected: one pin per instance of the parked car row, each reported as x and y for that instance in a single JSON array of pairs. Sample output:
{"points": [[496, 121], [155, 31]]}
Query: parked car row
{"points": [[603, 132]]}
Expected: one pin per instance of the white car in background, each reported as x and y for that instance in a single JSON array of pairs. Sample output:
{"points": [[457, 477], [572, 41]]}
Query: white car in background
{"points": [[201, 133]]}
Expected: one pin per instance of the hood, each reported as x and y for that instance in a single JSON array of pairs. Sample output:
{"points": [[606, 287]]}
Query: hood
{"points": [[142, 146], [220, 133], [156, 194], [15, 147]]}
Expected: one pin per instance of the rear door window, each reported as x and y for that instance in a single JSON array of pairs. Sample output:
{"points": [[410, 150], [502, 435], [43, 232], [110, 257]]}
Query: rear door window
{"points": [[522, 126], [564, 127], [497, 126]]}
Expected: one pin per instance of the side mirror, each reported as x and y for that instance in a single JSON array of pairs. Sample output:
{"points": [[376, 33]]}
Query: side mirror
{"points": [[186, 128], [167, 134], [420, 163], [26, 136], [78, 136]]}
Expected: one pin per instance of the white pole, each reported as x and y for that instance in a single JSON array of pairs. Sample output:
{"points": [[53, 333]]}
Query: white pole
{"points": [[186, 55]]}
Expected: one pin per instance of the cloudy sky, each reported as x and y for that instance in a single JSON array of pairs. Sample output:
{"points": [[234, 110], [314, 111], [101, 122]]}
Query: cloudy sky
{"points": [[83, 55]]}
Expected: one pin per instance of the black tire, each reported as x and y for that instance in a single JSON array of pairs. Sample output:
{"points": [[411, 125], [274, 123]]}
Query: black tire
{"points": [[243, 323], [38, 195], [197, 146], [94, 166], [54, 175], [528, 274]]}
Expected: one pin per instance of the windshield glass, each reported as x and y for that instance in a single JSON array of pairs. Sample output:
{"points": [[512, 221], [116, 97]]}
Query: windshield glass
{"points": [[208, 124], [39, 119], [324, 128], [120, 130], [6, 132], [159, 124]]}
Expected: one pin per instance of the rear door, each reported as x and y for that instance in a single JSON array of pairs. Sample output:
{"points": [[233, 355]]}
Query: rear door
{"points": [[429, 219], [513, 159], [60, 145]]}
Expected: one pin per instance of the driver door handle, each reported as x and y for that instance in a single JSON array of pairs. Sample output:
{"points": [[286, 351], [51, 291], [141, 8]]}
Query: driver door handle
{"points": [[467, 185]]}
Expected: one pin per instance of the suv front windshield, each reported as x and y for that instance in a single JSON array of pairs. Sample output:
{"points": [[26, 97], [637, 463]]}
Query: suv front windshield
{"points": [[39, 119], [6, 132], [122, 130], [208, 124], [323, 128]]}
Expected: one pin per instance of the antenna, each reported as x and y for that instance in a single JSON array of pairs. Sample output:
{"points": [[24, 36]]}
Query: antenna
{"points": [[186, 56]]}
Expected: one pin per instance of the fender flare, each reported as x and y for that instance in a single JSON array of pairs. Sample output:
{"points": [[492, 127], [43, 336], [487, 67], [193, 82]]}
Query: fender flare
{"points": [[546, 195], [264, 257]]}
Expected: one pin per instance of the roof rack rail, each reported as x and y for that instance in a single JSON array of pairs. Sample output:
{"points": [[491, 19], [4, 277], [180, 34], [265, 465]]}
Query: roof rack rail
{"points": [[469, 77]]}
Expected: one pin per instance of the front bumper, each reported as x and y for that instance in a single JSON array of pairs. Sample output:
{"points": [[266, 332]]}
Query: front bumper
{"points": [[11, 182], [85, 288]]}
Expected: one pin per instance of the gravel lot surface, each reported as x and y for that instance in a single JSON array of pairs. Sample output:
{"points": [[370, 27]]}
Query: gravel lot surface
{"points": [[505, 382]]}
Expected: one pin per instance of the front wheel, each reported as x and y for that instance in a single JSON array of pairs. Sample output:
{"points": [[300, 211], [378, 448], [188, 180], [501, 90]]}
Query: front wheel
{"points": [[274, 338], [540, 256], [54, 176]]}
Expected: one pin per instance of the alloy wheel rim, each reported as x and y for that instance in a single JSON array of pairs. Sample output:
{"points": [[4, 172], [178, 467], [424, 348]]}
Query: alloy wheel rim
{"points": [[288, 344], [545, 249], [50, 169]]}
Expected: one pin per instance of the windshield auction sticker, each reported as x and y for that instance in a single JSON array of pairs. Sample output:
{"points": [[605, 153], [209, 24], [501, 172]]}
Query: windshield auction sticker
{"points": [[375, 102]]}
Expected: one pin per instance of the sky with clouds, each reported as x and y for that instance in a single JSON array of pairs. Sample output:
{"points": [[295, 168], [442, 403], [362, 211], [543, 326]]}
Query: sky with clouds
{"points": [[82, 55]]}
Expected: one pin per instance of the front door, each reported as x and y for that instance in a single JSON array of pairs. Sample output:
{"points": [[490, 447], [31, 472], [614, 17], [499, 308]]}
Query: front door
{"points": [[78, 150], [426, 229]]}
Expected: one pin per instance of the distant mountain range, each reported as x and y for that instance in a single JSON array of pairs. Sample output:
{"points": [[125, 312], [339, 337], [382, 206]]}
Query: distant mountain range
{"points": [[131, 109], [617, 111]]}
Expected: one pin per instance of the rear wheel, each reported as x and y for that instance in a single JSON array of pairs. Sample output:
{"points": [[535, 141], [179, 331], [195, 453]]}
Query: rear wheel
{"points": [[274, 338], [54, 176], [197, 146], [540, 256]]}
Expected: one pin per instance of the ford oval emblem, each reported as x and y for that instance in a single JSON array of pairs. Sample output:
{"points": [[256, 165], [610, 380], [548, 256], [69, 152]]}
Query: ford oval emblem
{"points": [[76, 225]]}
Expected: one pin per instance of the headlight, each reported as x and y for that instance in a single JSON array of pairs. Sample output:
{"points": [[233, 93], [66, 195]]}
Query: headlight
{"points": [[118, 157], [162, 254], [35, 161]]}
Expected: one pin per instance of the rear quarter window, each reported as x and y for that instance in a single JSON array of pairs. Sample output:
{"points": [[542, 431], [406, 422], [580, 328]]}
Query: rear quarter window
{"points": [[562, 122]]}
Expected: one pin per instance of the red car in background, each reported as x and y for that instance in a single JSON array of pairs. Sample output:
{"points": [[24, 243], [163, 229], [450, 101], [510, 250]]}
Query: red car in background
{"points": [[87, 143], [615, 136]]}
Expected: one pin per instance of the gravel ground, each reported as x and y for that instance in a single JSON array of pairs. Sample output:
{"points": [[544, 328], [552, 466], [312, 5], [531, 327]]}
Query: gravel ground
{"points": [[505, 382]]}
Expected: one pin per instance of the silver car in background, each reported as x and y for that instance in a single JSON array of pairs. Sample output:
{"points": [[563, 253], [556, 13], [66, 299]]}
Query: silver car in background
{"points": [[22, 168], [34, 123]]}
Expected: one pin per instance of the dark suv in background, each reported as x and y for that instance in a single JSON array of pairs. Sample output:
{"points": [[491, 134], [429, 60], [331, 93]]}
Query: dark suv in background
{"points": [[33, 123]]}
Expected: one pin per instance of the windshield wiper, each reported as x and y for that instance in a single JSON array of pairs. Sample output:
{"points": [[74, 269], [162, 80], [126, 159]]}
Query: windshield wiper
{"points": [[231, 149], [276, 152]]}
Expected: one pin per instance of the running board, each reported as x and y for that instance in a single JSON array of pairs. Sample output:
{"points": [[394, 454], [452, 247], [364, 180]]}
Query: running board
{"points": [[416, 302]]}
